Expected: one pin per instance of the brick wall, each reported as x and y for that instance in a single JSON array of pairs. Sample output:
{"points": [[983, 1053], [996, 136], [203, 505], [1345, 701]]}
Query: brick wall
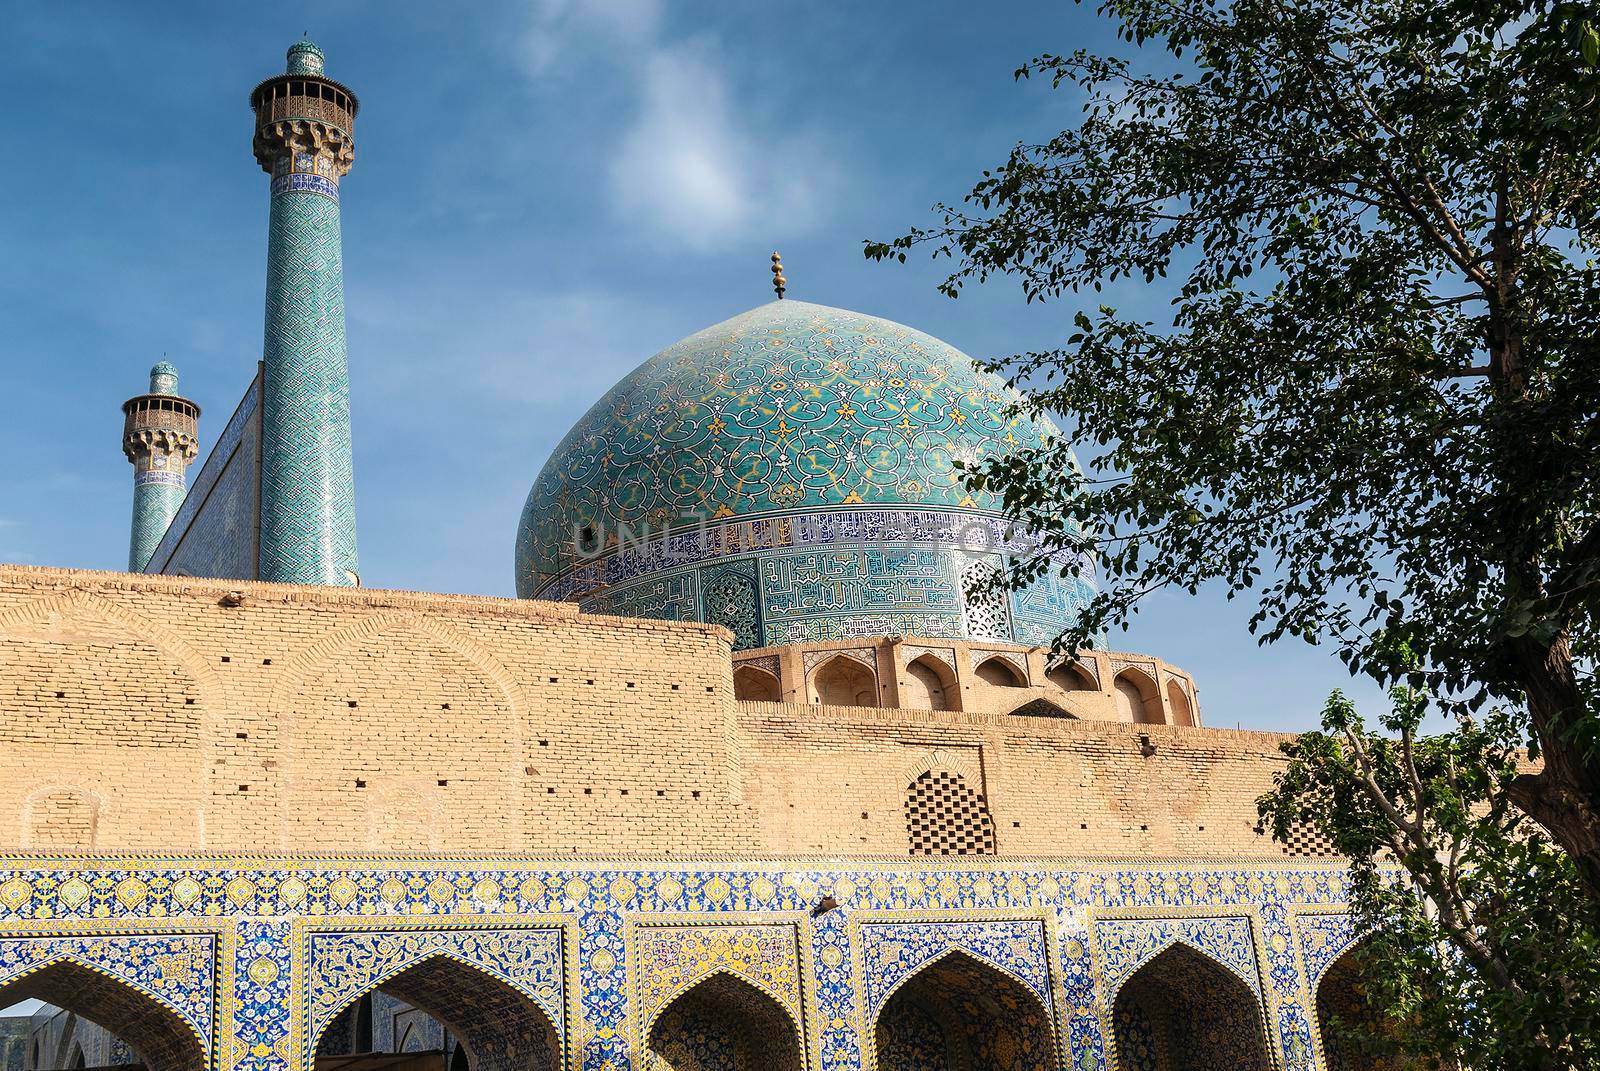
{"points": [[167, 714]]}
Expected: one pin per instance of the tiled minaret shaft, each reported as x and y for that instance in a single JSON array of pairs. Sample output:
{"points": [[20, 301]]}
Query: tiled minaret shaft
{"points": [[304, 140], [160, 433]]}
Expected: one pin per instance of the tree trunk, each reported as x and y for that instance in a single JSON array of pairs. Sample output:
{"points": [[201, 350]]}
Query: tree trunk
{"points": [[1564, 797]]}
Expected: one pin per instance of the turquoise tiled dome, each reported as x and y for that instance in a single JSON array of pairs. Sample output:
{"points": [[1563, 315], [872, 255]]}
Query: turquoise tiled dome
{"points": [[791, 425]]}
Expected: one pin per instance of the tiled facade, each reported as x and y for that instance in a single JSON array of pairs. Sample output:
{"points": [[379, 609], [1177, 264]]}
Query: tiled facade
{"points": [[216, 530], [254, 959]]}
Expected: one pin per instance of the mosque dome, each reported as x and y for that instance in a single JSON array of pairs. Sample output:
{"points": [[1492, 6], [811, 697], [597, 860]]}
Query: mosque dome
{"points": [[792, 473]]}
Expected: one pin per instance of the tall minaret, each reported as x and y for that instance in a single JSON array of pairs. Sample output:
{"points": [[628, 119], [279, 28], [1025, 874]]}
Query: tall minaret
{"points": [[159, 434], [304, 139]]}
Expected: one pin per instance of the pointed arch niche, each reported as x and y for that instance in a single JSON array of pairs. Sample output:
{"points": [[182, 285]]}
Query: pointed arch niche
{"points": [[755, 685], [496, 1026], [1183, 1010], [958, 1013], [1138, 698], [723, 1023], [157, 1034], [1352, 1026], [930, 685], [843, 681]]}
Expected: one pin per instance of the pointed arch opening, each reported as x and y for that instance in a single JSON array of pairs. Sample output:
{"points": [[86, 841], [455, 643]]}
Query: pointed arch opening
{"points": [[158, 1036], [1178, 703], [1185, 1010], [723, 1023], [961, 1014], [844, 682], [754, 685], [930, 685], [1138, 699], [1000, 673], [491, 1025], [1070, 677], [1356, 1034]]}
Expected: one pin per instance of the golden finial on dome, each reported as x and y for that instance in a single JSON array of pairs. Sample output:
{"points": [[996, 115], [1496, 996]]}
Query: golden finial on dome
{"points": [[778, 281]]}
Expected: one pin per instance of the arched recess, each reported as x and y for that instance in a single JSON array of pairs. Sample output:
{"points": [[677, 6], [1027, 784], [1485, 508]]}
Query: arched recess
{"points": [[1000, 673], [1178, 703], [1184, 1010], [958, 1013], [149, 721], [156, 1033], [1071, 678], [1354, 1029], [723, 1023], [365, 704], [1138, 698], [930, 685], [843, 681], [500, 1028], [754, 685]]}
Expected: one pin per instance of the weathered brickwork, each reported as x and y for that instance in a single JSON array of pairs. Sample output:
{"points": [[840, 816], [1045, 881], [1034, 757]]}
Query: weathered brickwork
{"points": [[141, 713], [152, 713]]}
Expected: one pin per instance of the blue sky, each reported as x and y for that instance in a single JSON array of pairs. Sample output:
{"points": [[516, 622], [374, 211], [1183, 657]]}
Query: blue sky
{"points": [[545, 193]]}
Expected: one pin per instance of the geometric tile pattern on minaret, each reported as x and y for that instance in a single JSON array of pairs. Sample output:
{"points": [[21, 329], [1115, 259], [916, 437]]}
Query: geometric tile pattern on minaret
{"points": [[160, 436], [304, 123]]}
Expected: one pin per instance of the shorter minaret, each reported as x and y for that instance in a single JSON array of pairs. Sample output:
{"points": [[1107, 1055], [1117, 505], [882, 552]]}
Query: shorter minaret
{"points": [[160, 435]]}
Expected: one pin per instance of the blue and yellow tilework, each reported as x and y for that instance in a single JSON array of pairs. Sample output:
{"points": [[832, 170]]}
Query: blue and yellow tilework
{"points": [[255, 958]]}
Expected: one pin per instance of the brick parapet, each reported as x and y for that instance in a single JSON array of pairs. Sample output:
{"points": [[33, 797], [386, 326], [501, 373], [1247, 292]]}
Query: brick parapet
{"points": [[173, 715]]}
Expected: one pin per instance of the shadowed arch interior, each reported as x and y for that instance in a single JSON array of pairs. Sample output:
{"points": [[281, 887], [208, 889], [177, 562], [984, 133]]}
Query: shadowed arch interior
{"points": [[1178, 700], [160, 1037], [754, 685], [1071, 678], [844, 682], [929, 685], [1138, 700], [1183, 1011], [961, 1014], [723, 1023], [1353, 1028], [500, 1028], [1000, 673]]}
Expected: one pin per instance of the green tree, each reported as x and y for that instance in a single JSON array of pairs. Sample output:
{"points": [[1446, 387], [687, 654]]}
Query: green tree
{"points": [[1480, 948], [1377, 402]]}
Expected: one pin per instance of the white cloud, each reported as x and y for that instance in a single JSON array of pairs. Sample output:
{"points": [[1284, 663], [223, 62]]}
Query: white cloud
{"points": [[692, 164], [566, 30], [692, 170]]}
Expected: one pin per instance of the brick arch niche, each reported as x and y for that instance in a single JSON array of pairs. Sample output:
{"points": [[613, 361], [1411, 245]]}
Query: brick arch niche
{"points": [[755, 685], [1138, 698], [488, 1023], [930, 685], [1183, 1010], [723, 1023], [843, 681], [961, 1014], [158, 1036]]}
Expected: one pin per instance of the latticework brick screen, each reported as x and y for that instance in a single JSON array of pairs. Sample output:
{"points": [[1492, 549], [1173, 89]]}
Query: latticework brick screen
{"points": [[1303, 840], [944, 816]]}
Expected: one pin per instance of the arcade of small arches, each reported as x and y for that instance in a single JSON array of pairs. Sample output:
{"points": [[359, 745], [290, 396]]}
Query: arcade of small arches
{"points": [[1181, 1010], [914, 674]]}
